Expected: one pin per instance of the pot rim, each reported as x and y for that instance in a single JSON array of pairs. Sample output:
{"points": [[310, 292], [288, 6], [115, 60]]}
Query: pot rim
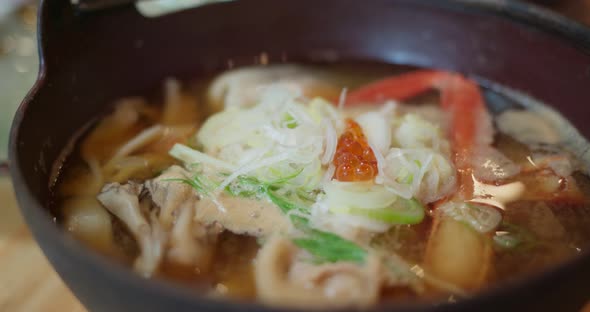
{"points": [[572, 33]]}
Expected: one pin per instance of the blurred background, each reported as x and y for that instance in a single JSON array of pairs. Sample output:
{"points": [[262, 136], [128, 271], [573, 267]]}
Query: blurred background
{"points": [[27, 282]]}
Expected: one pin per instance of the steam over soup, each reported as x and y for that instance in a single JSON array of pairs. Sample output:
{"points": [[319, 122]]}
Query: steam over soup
{"points": [[327, 186]]}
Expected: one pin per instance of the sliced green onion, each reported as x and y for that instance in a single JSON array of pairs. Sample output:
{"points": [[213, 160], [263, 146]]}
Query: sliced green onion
{"points": [[287, 178], [324, 246], [358, 194], [507, 241], [283, 203], [246, 186], [289, 121], [310, 196], [200, 184], [191, 156], [405, 177], [403, 211]]}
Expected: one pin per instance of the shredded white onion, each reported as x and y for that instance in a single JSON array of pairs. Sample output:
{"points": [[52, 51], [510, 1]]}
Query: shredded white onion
{"points": [[380, 178], [342, 224], [218, 204], [331, 140], [191, 156], [329, 174], [420, 167], [342, 99], [377, 129], [388, 108], [404, 170], [251, 167]]}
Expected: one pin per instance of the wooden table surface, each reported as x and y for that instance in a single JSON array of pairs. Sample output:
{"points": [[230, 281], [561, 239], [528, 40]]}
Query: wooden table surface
{"points": [[29, 284]]}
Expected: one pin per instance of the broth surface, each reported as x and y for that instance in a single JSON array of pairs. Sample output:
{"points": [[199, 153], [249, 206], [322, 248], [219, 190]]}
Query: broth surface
{"points": [[547, 224]]}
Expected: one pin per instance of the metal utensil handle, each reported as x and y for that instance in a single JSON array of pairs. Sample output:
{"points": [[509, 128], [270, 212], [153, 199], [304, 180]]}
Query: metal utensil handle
{"points": [[95, 5]]}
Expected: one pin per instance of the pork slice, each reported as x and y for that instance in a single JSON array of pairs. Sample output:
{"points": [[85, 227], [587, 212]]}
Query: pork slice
{"points": [[282, 278]]}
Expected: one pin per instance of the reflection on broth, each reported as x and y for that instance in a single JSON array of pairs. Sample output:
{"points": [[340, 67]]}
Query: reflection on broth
{"points": [[326, 186]]}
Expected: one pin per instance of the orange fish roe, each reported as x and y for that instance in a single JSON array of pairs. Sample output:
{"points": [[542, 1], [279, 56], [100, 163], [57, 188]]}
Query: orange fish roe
{"points": [[354, 159]]}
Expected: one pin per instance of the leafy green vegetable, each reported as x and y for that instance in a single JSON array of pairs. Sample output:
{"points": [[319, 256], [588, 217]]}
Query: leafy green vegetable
{"points": [[512, 237], [329, 247], [324, 246], [248, 186], [507, 241]]}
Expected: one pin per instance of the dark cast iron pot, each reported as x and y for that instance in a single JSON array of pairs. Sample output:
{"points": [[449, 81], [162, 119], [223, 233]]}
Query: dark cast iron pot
{"points": [[90, 59]]}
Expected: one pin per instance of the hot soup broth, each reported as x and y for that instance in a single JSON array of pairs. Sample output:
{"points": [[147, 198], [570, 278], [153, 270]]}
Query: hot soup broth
{"points": [[327, 185]]}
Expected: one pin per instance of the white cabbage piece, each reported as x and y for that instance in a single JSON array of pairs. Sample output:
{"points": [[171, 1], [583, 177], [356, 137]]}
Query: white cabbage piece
{"points": [[220, 130], [431, 112], [281, 135], [415, 132], [419, 166], [421, 173], [376, 127], [439, 180]]}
